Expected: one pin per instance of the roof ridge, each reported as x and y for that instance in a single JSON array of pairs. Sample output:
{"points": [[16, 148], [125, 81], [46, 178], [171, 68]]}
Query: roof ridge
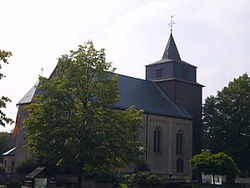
{"points": [[132, 77]]}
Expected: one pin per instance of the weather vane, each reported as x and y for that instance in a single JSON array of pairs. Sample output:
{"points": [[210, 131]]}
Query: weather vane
{"points": [[42, 69], [171, 23]]}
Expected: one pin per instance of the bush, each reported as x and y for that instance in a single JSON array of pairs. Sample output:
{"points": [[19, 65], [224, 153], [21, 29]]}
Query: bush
{"points": [[26, 166], [1, 168], [142, 166], [154, 180], [144, 178], [101, 175], [14, 183], [106, 176]]}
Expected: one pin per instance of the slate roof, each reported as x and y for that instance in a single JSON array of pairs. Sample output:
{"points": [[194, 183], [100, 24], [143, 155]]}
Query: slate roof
{"points": [[37, 172], [171, 51], [29, 96], [143, 94], [11, 140], [171, 54], [169, 61], [10, 152], [147, 95]]}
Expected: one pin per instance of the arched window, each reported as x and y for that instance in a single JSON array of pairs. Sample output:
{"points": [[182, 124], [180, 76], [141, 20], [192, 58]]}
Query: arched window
{"points": [[157, 140], [179, 165], [179, 144]]}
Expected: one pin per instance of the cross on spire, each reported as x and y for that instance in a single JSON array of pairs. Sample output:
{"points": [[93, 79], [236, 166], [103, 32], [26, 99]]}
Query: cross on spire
{"points": [[171, 23], [42, 69]]}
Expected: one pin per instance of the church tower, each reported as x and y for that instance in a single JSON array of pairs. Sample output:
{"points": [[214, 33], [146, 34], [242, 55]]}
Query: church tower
{"points": [[177, 79]]}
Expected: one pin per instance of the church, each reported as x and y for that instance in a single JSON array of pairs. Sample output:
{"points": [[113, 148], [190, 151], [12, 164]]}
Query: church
{"points": [[171, 99]]}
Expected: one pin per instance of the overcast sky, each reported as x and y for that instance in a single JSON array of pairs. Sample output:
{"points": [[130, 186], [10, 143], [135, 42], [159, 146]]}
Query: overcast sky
{"points": [[213, 35]]}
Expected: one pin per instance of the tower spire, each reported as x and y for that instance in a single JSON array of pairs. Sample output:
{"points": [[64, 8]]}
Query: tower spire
{"points": [[171, 51]]}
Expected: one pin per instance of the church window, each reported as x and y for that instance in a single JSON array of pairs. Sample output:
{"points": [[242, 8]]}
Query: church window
{"points": [[157, 140], [184, 74], [179, 142], [158, 72], [179, 165]]}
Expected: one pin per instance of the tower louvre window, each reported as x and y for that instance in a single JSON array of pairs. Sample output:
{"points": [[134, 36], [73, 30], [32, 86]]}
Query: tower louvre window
{"points": [[184, 74], [158, 72]]}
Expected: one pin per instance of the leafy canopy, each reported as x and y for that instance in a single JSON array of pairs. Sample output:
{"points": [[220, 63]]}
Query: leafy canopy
{"points": [[4, 55], [226, 122], [3, 144], [73, 125], [220, 164]]}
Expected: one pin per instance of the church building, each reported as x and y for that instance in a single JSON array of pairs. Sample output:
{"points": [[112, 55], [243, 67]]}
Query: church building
{"points": [[172, 102]]}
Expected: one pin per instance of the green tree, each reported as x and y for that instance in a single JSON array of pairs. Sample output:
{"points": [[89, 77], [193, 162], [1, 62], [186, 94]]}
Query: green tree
{"points": [[4, 55], [73, 125], [211, 164], [3, 144], [226, 122]]}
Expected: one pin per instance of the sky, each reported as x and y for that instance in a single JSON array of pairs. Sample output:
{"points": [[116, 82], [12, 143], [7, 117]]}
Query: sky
{"points": [[213, 35]]}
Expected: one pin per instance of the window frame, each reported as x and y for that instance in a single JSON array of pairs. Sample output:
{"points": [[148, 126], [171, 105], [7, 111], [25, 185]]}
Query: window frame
{"points": [[157, 142], [179, 142]]}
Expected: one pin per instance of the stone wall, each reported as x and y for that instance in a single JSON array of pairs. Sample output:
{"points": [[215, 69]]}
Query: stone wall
{"points": [[163, 162], [21, 153]]}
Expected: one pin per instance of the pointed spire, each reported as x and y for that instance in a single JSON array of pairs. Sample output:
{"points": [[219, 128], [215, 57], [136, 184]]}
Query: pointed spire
{"points": [[171, 51]]}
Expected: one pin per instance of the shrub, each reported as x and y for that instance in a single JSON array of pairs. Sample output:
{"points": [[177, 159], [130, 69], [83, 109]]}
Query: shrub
{"points": [[14, 183], [142, 166], [101, 175], [26, 166], [144, 178], [1, 168], [154, 180], [106, 176]]}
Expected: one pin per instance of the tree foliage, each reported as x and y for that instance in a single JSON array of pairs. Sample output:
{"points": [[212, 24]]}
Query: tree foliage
{"points": [[144, 178], [27, 166], [215, 164], [226, 122], [73, 125], [220, 164], [3, 144], [4, 55]]}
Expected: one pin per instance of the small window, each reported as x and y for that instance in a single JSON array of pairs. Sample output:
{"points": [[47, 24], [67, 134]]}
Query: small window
{"points": [[179, 165], [179, 142], [184, 74], [157, 140], [158, 72]]}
